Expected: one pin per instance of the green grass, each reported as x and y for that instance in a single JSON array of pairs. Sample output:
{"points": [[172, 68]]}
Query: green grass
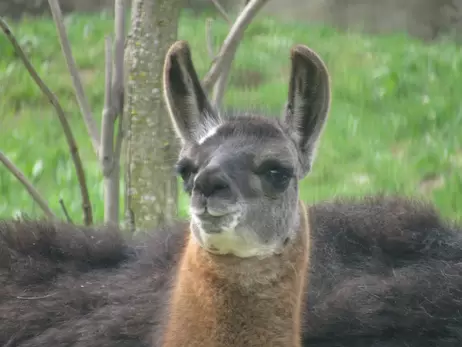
{"points": [[395, 124]]}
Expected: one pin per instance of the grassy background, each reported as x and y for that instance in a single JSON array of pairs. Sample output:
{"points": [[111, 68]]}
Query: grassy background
{"points": [[395, 125]]}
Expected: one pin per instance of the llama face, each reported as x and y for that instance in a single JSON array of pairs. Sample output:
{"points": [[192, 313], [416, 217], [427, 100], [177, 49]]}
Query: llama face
{"points": [[242, 172], [242, 180]]}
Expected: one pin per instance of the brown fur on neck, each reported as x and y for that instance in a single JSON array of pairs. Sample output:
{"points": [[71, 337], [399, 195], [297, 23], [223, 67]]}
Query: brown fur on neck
{"points": [[223, 301]]}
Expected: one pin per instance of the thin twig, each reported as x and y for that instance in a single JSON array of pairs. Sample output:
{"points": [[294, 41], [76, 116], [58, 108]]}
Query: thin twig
{"points": [[219, 88], [119, 141], [229, 47], [107, 120], [28, 185], [72, 67], [222, 11], [119, 50], [112, 182], [86, 204], [66, 213], [115, 174], [208, 38], [114, 104], [107, 137]]}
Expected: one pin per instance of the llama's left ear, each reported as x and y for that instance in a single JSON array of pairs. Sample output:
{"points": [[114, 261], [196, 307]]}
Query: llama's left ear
{"points": [[308, 102], [189, 108]]}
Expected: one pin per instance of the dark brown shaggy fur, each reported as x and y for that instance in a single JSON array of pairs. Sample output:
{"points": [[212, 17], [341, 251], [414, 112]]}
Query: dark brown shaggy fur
{"points": [[386, 272]]}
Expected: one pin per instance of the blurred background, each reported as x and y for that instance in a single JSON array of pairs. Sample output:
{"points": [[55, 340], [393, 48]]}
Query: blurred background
{"points": [[425, 19], [396, 67]]}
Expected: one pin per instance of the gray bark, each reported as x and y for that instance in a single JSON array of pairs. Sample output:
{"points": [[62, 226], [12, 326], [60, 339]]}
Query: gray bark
{"points": [[151, 188]]}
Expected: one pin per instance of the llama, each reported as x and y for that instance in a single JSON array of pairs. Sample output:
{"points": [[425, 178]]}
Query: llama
{"points": [[241, 277], [383, 271]]}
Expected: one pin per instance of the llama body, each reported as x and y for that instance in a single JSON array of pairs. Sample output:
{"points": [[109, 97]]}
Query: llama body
{"points": [[383, 272], [368, 286]]}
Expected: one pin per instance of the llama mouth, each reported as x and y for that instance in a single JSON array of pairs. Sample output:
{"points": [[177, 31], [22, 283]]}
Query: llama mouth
{"points": [[208, 219], [208, 213], [215, 218]]}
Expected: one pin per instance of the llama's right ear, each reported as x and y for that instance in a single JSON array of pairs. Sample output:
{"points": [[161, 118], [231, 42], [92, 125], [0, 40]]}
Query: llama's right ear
{"points": [[308, 102], [189, 108]]}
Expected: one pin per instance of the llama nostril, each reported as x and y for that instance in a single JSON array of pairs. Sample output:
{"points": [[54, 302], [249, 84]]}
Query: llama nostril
{"points": [[211, 182]]}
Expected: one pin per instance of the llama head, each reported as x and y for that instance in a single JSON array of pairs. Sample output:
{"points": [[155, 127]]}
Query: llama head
{"points": [[242, 172]]}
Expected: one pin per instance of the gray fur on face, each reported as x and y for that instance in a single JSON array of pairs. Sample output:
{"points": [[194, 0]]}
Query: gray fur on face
{"points": [[242, 172]]}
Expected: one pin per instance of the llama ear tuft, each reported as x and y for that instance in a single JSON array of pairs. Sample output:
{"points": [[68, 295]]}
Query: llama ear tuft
{"points": [[189, 108], [308, 101]]}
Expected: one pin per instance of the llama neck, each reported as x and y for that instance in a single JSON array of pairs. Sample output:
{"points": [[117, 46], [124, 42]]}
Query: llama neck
{"points": [[218, 302]]}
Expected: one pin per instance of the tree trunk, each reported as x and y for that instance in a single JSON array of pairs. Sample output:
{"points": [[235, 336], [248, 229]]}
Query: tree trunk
{"points": [[151, 187]]}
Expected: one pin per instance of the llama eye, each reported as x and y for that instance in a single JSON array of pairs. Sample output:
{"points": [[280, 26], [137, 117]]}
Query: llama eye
{"points": [[276, 174]]}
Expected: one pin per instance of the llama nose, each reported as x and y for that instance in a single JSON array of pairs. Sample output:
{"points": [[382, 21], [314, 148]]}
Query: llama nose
{"points": [[212, 181]]}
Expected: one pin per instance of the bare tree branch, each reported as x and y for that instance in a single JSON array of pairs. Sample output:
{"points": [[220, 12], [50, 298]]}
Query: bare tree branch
{"points": [[217, 77], [86, 204], [222, 11], [113, 109], [66, 213], [208, 38], [220, 87], [71, 65], [107, 120], [119, 49], [119, 140], [228, 50], [112, 181], [115, 174], [28, 185], [107, 139]]}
